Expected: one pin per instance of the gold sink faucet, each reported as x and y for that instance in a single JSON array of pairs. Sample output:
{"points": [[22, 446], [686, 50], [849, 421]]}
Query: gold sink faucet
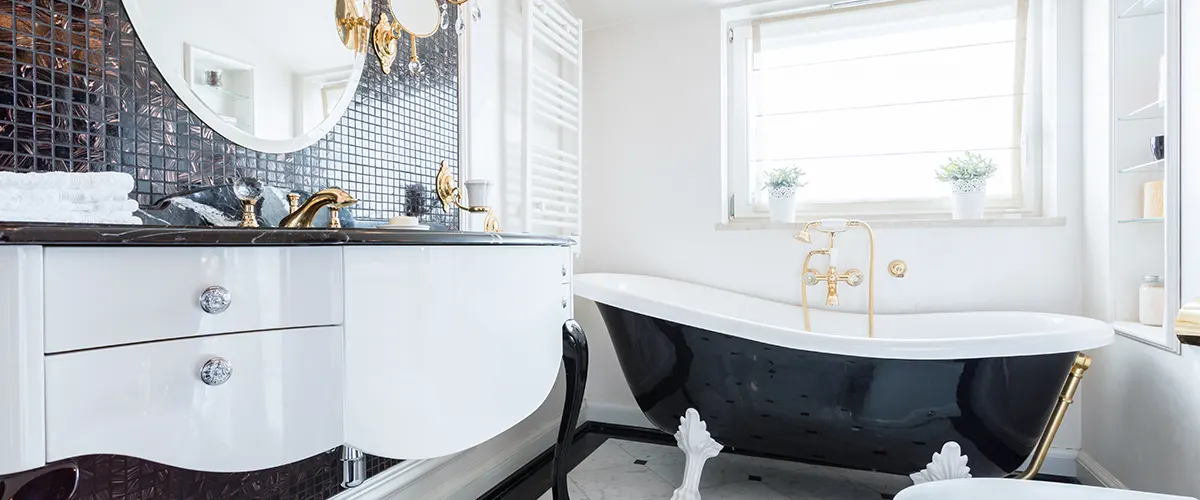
{"points": [[334, 198], [831, 277]]}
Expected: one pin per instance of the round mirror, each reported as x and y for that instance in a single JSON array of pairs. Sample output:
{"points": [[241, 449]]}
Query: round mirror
{"points": [[270, 75], [418, 17]]}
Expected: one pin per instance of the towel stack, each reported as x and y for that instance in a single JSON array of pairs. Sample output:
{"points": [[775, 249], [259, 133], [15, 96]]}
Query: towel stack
{"points": [[94, 198]]}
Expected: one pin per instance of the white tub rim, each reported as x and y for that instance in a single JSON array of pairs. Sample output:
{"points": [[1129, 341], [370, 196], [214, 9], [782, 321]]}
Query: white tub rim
{"points": [[1068, 334]]}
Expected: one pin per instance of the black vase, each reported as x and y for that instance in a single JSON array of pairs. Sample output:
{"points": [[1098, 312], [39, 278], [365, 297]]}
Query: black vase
{"points": [[1158, 146]]}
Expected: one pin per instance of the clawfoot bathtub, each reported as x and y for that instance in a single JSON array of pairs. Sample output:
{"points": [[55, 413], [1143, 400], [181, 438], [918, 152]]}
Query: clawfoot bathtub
{"points": [[987, 381]]}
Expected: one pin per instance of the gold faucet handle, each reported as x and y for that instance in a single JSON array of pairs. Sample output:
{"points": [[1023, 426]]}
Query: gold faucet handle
{"points": [[853, 277]]}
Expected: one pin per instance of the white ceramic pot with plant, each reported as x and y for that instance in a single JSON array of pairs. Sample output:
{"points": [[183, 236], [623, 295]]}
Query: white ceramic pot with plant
{"points": [[967, 176], [781, 187]]}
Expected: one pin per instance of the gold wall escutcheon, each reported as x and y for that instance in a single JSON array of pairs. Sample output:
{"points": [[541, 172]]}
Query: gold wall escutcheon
{"points": [[897, 268], [385, 43]]}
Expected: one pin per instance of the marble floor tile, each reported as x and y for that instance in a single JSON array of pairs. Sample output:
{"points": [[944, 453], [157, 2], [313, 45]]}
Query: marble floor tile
{"points": [[745, 490], [572, 490], [889, 484], [649, 451], [668, 462], [818, 484], [622, 482], [607, 455]]}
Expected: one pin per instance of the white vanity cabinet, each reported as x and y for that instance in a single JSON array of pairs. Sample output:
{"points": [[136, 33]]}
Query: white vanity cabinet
{"points": [[403, 351], [102, 296], [450, 345], [22, 407], [265, 399]]}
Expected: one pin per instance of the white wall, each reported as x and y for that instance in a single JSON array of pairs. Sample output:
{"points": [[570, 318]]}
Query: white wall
{"points": [[1141, 402], [653, 150]]}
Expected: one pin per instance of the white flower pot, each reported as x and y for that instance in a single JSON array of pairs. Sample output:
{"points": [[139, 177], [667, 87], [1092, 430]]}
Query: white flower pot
{"points": [[968, 205], [783, 204], [967, 198]]}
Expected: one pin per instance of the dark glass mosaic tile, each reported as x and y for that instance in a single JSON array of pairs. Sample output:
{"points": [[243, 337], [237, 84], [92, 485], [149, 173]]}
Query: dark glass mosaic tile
{"points": [[78, 92]]}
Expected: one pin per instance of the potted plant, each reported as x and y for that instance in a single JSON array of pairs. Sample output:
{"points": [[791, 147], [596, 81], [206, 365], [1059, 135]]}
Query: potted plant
{"points": [[967, 175], [781, 187]]}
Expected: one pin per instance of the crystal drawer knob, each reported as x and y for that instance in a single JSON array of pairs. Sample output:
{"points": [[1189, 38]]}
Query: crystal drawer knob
{"points": [[564, 270], [564, 302], [215, 300], [216, 371]]}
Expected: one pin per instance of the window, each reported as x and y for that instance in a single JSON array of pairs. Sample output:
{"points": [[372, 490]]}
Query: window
{"points": [[869, 100]]}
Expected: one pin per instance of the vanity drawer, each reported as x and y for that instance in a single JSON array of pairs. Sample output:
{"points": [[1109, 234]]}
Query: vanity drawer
{"points": [[98, 297], [282, 401]]}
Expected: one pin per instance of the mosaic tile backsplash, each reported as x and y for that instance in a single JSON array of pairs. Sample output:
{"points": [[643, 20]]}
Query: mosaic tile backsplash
{"points": [[78, 92]]}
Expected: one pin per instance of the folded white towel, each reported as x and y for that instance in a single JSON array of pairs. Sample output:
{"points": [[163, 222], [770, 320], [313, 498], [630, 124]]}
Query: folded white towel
{"points": [[108, 181], [71, 217], [124, 207], [49, 196]]}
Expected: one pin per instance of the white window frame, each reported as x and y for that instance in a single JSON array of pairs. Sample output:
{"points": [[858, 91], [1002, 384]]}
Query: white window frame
{"points": [[1028, 179]]}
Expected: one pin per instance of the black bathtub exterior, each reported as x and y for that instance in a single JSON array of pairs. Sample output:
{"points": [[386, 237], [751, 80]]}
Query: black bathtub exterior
{"points": [[887, 415]]}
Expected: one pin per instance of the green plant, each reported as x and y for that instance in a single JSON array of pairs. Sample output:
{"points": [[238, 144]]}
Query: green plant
{"points": [[967, 168], [784, 177]]}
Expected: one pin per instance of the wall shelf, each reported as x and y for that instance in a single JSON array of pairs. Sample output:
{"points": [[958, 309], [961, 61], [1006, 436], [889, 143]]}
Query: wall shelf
{"points": [[1154, 166], [1144, 332]]}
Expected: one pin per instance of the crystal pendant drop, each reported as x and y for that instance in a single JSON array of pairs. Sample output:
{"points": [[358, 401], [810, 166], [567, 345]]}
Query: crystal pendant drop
{"points": [[445, 16], [460, 24], [476, 12], [414, 66]]}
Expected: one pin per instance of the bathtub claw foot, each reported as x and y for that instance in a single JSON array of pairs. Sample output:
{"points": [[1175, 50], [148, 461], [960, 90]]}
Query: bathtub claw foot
{"points": [[698, 446], [949, 464]]}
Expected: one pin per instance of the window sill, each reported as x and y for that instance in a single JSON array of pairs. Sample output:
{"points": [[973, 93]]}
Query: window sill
{"points": [[915, 223]]}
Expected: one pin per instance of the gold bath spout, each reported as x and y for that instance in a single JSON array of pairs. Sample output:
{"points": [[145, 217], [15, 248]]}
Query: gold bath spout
{"points": [[853, 277], [303, 216]]}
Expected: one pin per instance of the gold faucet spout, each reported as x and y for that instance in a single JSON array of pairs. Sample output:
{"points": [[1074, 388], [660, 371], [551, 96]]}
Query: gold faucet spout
{"points": [[303, 216], [831, 298]]}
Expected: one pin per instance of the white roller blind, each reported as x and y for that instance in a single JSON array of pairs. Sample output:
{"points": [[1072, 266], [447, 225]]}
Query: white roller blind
{"points": [[868, 101]]}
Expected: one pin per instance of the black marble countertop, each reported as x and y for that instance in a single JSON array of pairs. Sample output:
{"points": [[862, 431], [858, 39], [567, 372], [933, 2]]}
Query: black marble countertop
{"points": [[12, 233]]}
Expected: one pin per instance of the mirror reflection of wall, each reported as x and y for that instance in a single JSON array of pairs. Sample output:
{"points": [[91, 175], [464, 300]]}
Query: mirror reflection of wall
{"points": [[273, 69]]}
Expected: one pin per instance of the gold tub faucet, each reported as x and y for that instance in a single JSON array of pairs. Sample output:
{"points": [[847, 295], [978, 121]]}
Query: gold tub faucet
{"points": [[830, 276], [335, 198]]}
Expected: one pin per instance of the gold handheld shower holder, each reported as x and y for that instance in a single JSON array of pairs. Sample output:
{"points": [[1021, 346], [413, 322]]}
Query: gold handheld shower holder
{"points": [[450, 195]]}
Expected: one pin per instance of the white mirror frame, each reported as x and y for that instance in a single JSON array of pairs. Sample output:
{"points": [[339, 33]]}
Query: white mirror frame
{"points": [[145, 32]]}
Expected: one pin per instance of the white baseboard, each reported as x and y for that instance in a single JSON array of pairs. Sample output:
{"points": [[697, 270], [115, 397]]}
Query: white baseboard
{"points": [[1095, 474]]}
